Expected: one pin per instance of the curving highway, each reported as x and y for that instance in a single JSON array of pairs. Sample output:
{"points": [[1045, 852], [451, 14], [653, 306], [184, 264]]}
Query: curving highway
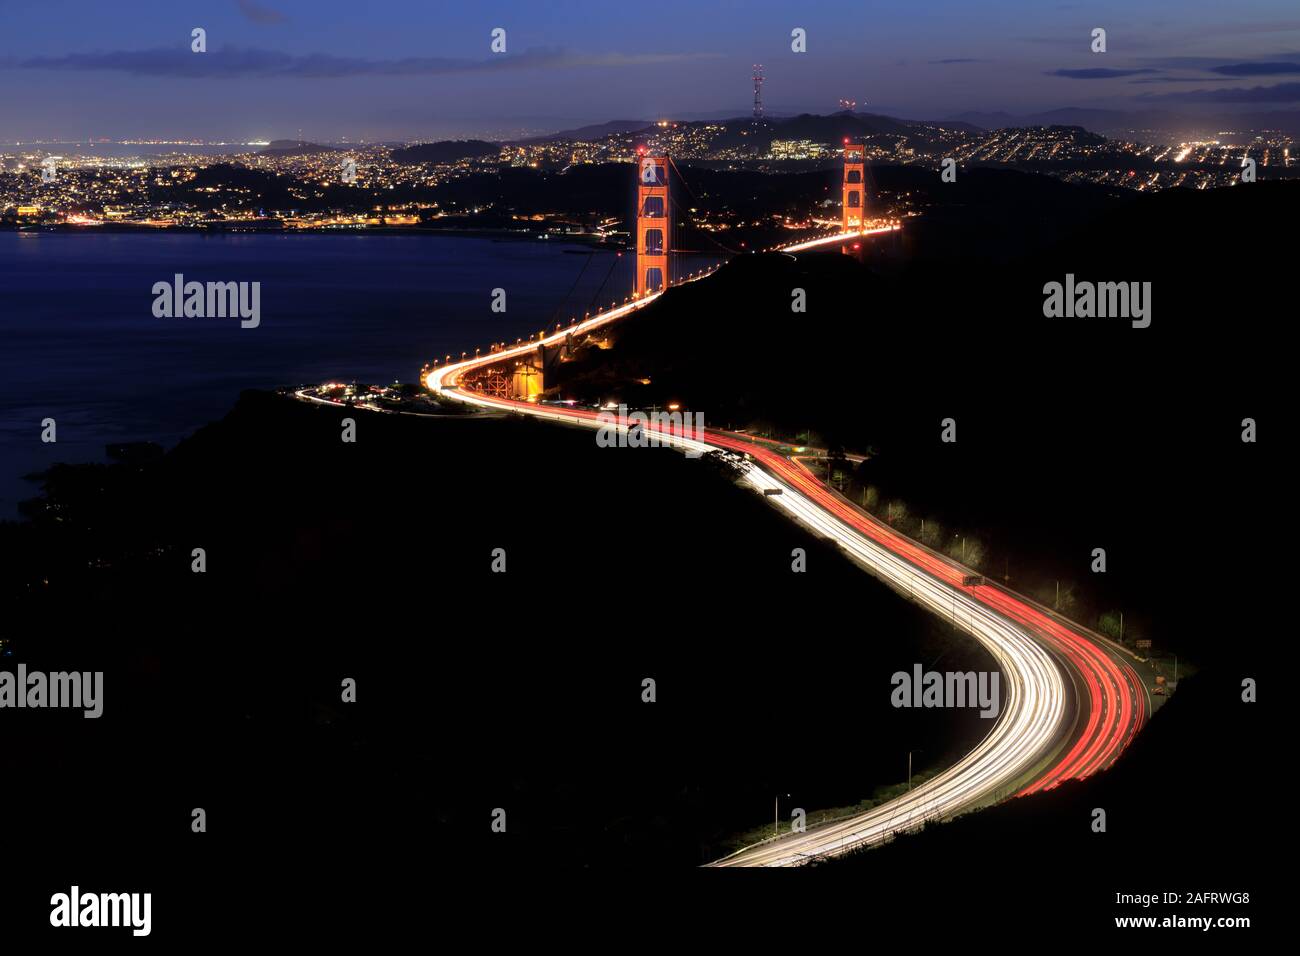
{"points": [[1073, 701]]}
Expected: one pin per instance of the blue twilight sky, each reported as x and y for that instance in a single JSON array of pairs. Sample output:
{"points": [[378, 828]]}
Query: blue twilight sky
{"points": [[410, 69]]}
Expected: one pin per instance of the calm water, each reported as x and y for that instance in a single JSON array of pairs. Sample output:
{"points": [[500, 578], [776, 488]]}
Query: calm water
{"points": [[80, 343]]}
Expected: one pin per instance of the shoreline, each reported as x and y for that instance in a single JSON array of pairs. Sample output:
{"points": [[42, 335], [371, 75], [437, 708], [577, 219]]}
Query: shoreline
{"points": [[496, 233]]}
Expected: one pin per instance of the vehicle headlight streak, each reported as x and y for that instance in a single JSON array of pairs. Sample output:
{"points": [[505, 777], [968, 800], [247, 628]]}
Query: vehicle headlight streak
{"points": [[1017, 634]]}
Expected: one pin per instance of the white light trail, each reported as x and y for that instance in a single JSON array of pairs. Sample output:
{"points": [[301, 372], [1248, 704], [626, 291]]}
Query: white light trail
{"points": [[1030, 719]]}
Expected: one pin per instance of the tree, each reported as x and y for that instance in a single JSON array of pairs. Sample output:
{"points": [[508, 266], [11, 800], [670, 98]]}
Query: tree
{"points": [[898, 511], [969, 551], [1066, 602], [835, 462]]}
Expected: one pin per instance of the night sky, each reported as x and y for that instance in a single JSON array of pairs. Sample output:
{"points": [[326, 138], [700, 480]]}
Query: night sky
{"points": [[411, 69]]}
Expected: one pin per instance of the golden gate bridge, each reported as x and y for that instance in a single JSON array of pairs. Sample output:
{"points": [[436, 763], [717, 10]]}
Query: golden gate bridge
{"points": [[520, 372]]}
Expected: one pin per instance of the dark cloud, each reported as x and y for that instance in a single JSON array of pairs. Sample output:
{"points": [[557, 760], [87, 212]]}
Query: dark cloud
{"points": [[1081, 41], [957, 59], [1168, 79], [1206, 63], [1182, 62], [1282, 93], [1096, 73], [260, 14], [1256, 69], [233, 62], [1240, 29]]}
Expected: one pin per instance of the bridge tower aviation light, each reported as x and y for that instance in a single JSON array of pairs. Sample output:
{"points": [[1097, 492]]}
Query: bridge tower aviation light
{"points": [[855, 196], [651, 224]]}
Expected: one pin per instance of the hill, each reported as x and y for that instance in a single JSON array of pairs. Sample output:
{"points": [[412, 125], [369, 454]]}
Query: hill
{"points": [[595, 131], [445, 151], [1122, 422]]}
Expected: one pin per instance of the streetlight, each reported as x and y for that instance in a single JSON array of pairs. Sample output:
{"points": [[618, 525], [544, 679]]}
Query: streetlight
{"points": [[776, 815]]}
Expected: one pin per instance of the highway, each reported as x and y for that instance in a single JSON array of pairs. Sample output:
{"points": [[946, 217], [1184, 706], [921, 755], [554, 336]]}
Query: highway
{"points": [[1073, 701]]}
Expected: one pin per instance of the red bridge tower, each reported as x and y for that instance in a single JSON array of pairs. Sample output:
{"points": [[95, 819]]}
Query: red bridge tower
{"points": [[855, 200], [651, 224]]}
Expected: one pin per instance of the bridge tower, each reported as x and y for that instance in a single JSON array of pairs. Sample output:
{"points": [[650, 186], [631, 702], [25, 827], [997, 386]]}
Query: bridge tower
{"points": [[855, 195], [652, 215], [527, 377]]}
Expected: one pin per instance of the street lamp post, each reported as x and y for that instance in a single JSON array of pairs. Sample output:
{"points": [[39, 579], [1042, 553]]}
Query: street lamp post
{"points": [[776, 815]]}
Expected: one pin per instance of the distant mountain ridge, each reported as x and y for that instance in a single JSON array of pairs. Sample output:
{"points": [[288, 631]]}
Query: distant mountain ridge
{"points": [[1112, 123], [592, 131], [1124, 124], [445, 151]]}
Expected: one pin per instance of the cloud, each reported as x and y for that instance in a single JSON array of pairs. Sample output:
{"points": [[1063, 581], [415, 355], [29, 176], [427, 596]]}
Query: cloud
{"points": [[1206, 63], [1256, 69], [1282, 93], [957, 59], [1182, 62], [1096, 73], [1050, 41], [1168, 79], [260, 14], [1080, 41], [1240, 29], [234, 62]]}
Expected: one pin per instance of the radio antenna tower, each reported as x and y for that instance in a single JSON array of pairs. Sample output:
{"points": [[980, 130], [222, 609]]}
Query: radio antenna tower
{"points": [[758, 91]]}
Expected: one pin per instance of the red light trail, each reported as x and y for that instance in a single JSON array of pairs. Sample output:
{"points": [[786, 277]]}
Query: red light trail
{"points": [[1113, 695]]}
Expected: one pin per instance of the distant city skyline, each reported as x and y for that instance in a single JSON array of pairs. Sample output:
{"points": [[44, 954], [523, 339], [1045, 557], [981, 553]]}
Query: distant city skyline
{"points": [[405, 70]]}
